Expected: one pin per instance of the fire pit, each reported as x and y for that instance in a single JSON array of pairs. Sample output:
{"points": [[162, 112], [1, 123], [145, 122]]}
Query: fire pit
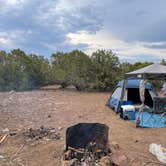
{"points": [[86, 143]]}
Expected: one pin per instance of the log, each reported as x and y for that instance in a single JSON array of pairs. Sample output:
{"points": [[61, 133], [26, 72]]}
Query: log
{"points": [[3, 138]]}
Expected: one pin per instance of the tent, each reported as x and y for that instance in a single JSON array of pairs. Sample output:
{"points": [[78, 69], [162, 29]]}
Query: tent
{"points": [[154, 71], [131, 94]]}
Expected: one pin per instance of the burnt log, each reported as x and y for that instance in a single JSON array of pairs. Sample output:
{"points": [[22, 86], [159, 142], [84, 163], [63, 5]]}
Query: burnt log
{"points": [[89, 136]]}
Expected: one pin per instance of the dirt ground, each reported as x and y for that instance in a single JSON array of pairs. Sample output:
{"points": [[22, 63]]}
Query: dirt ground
{"points": [[20, 111]]}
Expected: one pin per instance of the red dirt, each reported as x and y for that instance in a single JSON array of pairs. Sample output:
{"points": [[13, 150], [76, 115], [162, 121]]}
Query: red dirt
{"points": [[61, 109]]}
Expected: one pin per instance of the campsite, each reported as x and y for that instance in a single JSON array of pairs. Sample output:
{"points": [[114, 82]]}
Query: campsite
{"points": [[60, 109], [77, 119], [82, 83]]}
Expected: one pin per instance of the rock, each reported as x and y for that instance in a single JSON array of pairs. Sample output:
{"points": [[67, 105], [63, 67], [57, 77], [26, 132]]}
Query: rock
{"points": [[12, 133], [60, 128], [2, 157], [11, 92], [119, 158], [114, 146], [73, 162], [105, 161], [68, 155]]}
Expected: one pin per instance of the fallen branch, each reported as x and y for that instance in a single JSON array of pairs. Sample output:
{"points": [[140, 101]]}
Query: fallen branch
{"points": [[75, 150], [3, 138]]}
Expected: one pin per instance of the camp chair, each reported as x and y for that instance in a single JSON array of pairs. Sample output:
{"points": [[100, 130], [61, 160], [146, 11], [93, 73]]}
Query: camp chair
{"points": [[163, 115], [157, 116], [159, 104]]}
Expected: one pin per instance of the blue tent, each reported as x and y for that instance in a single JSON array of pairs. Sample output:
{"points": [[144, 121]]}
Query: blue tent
{"points": [[134, 84], [131, 94]]}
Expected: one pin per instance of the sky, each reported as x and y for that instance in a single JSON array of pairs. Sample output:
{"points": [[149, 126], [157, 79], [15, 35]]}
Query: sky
{"points": [[134, 29]]}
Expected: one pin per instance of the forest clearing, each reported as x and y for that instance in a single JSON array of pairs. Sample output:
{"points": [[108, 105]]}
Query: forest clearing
{"points": [[59, 109]]}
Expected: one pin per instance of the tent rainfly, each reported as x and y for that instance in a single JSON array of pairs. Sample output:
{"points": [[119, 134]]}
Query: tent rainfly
{"points": [[154, 71]]}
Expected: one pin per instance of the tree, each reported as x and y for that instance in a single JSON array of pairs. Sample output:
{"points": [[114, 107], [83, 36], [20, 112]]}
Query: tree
{"points": [[72, 69], [105, 68], [139, 65], [20, 71]]}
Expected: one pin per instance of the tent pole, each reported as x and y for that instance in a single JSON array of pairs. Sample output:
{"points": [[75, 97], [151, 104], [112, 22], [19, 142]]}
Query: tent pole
{"points": [[122, 94]]}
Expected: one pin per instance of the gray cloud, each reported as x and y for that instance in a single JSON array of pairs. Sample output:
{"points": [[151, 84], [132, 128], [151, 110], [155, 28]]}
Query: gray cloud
{"points": [[42, 26], [134, 20], [49, 22]]}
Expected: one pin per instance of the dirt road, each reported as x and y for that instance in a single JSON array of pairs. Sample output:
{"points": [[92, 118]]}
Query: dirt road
{"points": [[60, 109]]}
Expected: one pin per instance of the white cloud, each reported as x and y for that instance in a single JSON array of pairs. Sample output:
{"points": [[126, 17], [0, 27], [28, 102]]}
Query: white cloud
{"points": [[12, 39], [10, 6], [13, 2], [106, 40], [66, 15], [5, 40]]}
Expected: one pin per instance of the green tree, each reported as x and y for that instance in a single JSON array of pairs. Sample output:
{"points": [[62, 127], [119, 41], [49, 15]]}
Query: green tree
{"points": [[72, 68], [20, 71], [105, 69]]}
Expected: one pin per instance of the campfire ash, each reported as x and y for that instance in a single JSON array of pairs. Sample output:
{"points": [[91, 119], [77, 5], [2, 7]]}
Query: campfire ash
{"points": [[42, 132]]}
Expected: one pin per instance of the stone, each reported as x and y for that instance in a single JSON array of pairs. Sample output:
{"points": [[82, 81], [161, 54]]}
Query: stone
{"points": [[115, 146], [119, 159], [68, 155], [2, 157], [11, 92], [60, 128], [106, 161], [73, 162]]}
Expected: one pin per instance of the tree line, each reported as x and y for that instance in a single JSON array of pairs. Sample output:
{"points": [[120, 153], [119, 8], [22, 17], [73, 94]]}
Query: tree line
{"points": [[100, 71]]}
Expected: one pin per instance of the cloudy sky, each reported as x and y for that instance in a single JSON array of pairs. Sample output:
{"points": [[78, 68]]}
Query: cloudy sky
{"points": [[133, 29]]}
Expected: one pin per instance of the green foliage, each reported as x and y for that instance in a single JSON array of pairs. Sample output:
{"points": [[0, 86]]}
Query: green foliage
{"points": [[71, 68], [20, 71], [105, 69], [76, 68], [126, 67], [139, 65], [100, 71]]}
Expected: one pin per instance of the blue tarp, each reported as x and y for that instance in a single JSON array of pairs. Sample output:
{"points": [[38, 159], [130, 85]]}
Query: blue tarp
{"points": [[151, 120], [134, 84]]}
